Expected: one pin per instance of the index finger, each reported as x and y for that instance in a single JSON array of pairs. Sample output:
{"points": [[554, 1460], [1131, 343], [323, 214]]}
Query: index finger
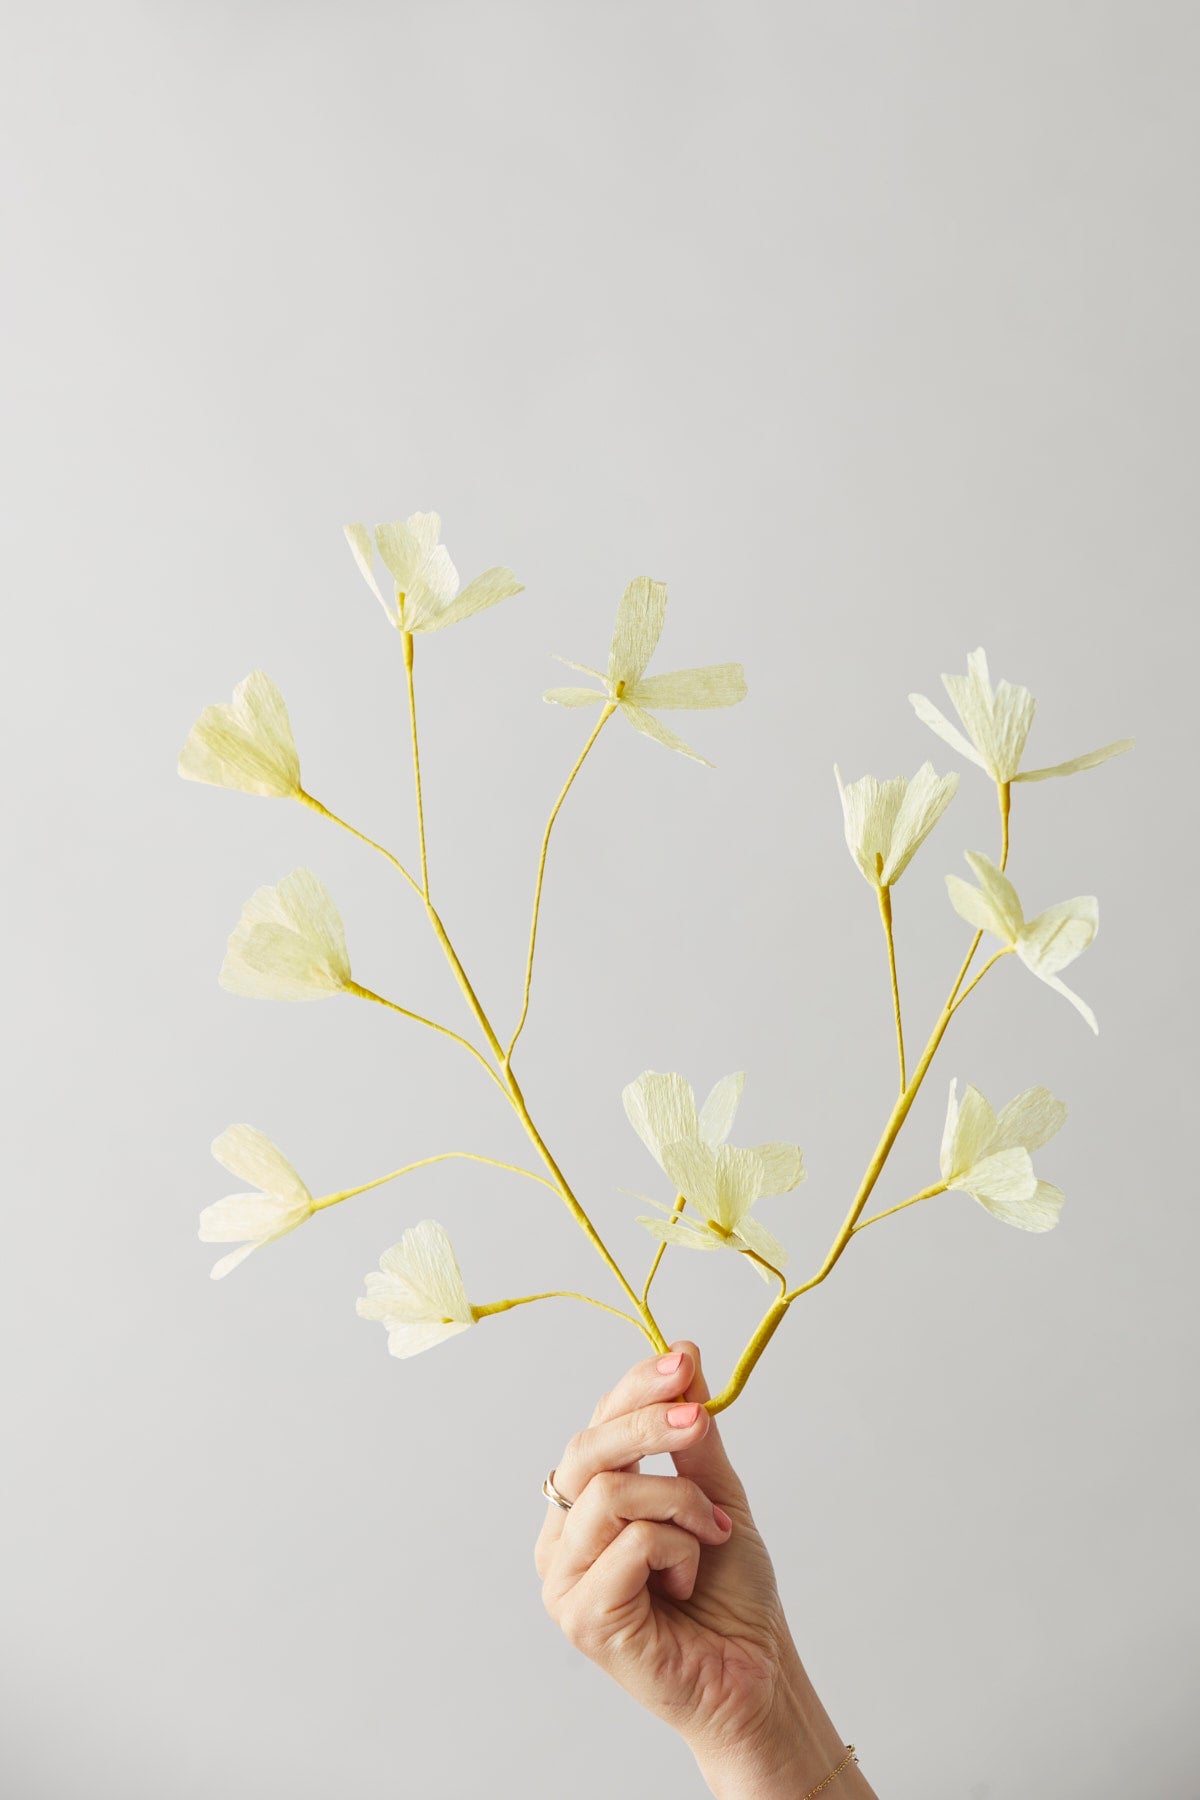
{"points": [[644, 1382]]}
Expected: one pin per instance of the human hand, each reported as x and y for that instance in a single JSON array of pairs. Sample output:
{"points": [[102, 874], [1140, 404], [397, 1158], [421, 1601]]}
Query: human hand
{"points": [[665, 1582]]}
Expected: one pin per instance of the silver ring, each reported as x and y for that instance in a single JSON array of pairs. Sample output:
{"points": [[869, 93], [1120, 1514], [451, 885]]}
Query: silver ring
{"points": [[552, 1493]]}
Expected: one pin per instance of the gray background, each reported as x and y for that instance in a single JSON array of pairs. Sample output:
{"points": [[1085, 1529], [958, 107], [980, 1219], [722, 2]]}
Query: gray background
{"points": [[871, 329]]}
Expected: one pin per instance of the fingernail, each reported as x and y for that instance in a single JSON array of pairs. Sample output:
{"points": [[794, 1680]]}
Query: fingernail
{"points": [[683, 1415], [667, 1365], [722, 1517]]}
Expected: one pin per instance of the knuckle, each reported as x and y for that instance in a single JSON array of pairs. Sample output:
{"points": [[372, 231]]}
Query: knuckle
{"points": [[602, 1408], [606, 1487], [643, 1533]]}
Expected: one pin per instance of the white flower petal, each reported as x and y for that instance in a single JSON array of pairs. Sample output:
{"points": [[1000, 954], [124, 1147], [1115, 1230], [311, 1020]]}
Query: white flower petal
{"points": [[1000, 893], [925, 799], [1058, 935], [970, 1129], [692, 1166], [405, 545], [250, 1154], [425, 1283], [1091, 760], [1032, 1212], [717, 1113], [652, 727], [363, 549], [999, 1179], [662, 1110], [640, 617], [407, 1339], [246, 745], [258, 1217], [226, 1264], [869, 812], [486, 590], [740, 1176], [431, 590], [569, 696], [692, 1237], [1081, 1006], [783, 1167], [289, 943], [690, 690], [929, 715], [1031, 1119], [764, 1243], [974, 906]]}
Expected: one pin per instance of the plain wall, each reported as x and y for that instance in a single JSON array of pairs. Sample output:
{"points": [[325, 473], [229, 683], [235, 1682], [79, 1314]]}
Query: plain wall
{"points": [[869, 328]]}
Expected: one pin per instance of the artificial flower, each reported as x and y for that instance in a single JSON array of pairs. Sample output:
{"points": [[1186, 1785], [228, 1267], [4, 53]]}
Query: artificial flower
{"points": [[986, 1154], [289, 943], [247, 744], [428, 594], [888, 821], [997, 725], [722, 1185], [1045, 944], [418, 1292], [662, 1110], [252, 1220], [639, 626]]}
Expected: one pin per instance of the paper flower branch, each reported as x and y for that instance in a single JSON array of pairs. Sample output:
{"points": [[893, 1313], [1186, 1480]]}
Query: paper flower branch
{"points": [[290, 944]]}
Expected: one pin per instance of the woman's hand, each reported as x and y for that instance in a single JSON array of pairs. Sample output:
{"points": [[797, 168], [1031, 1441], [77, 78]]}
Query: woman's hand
{"points": [[665, 1582]]}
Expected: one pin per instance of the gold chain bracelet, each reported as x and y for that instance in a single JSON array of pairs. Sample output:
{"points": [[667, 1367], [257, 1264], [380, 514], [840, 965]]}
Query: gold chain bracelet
{"points": [[849, 1758]]}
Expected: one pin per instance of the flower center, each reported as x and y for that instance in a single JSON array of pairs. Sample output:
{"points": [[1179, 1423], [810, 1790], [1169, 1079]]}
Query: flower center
{"points": [[618, 690], [722, 1231]]}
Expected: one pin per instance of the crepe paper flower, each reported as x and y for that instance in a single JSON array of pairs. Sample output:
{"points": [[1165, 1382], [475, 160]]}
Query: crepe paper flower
{"points": [[639, 626], [418, 1292], [1045, 944], [662, 1110], [246, 745], [259, 1218], [997, 725], [428, 594], [289, 943], [722, 1185], [888, 821], [986, 1154]]}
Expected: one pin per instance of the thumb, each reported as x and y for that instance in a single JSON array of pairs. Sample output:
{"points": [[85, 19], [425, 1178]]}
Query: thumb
{"points": [[707, 1462]]}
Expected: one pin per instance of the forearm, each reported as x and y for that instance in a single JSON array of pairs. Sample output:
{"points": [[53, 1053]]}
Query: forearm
{"points": [[796, 1748]]}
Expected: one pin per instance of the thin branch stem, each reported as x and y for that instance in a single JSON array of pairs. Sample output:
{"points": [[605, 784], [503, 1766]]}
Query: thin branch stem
{"points": [[323, 812], [1004, 795], [605, 715], [499, 1306], [424, 1162], [885, 913], [407, 640], [353, 987], [754, 1257], [1007, 950], [680, 1203], [925, 1194]]}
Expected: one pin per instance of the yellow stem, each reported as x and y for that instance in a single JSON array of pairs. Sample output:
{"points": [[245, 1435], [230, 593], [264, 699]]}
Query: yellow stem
{"points": [[324, 812], [885, 913], [754, 1257], [992, 960], [499, 1306], [925, 1194], [1004, 795], [423, 1163], [768, 1326], [680, 1203], [605, 716], [353, 987], [406, 638]]}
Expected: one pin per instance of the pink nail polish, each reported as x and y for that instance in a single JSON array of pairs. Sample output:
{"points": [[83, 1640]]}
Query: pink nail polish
{"points": [[683, 1415], [667, 1365], [722, 1517]]}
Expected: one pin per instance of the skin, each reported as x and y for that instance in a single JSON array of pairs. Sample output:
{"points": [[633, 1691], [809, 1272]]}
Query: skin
{"points": [[664, 1581]]}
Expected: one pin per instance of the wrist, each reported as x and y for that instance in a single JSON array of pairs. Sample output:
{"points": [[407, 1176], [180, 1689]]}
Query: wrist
{"points": [[782, 1755]]}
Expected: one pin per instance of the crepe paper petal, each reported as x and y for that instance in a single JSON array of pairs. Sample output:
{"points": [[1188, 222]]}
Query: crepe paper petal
{"points": [[929, 715], [1005, 1175], [247, 745], [249, 1153], [1076, 764], [764, 1243], [640, 617], [486, 590], [424, 603], [886, 822], [1059, 934], [973, 906], [226, 1264], [289, 943], [363, 549], [692, 1237], [999, 892], [1031, 1119], [691, 690], [584, 669], [573, 696], [717, 1113], [283, 1204], [1081, 1006], [418, 1292], [692, 1166], [662, 1110], [405, 545], [968, 1133], [926, 798], [652, 727], [739, 1183], [783, 1167]]}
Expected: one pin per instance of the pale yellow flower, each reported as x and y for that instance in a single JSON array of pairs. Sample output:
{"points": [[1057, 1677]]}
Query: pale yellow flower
{"points": [[662, 1110], [247, 744], [1044, 944], [418, 1293], [997, 725], [427, 590], [986, 1154], [888, 821], [639, 626], [252, 1220], [289, 943], [722, 1186]]}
